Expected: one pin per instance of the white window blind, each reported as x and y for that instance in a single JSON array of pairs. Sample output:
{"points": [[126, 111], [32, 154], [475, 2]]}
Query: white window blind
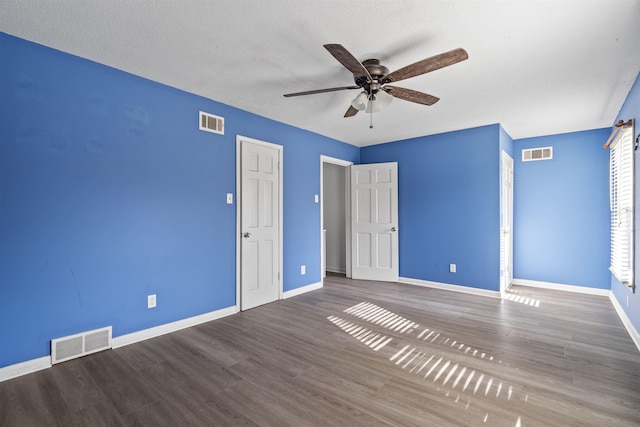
{"points": [[621, 204]]}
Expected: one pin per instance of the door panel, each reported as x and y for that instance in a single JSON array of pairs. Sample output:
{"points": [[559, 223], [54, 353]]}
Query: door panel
{"points": [[374, 221], [363, 247], [385, 250], [260, 222]]}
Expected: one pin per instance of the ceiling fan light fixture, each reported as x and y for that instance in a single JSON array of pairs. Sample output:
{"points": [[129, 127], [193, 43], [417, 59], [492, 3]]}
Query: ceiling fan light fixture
{"points": [[361, 101], [379, 102]]}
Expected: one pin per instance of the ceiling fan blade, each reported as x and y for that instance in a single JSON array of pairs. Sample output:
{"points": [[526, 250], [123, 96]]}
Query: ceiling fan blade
{"points": [[351, 111], [411, 95], [311, 92], [427, 65], [348, 60]]}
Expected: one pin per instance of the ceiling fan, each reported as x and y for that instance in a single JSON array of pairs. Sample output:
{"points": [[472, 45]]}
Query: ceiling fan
{"points": [[374, 78]]}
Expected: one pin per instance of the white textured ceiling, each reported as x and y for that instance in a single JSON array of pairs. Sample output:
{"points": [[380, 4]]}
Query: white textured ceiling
{"points": [[536, 67]]}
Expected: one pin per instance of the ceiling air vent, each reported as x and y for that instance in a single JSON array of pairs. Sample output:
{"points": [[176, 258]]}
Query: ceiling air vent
{"points": [[211, 123], [542, 153], [81, 344]]}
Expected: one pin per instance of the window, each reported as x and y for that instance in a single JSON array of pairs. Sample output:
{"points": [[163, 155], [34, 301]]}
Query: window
{"points": [[621, 203]]}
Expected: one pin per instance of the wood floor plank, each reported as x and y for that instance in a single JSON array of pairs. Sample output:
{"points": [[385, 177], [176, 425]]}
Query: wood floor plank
{"points": [[358, 353]]}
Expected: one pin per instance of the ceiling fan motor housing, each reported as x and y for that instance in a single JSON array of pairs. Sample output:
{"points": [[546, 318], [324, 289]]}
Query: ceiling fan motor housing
{"points": [[376, 70]]}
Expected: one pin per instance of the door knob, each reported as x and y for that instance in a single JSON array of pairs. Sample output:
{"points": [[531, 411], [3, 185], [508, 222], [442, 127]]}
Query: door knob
{"points": [[394, 229], [245, 235]]}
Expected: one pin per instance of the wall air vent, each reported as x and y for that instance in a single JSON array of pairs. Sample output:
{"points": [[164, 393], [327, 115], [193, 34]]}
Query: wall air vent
{"points": [[81, 344], [542, 153], [211, 123]]}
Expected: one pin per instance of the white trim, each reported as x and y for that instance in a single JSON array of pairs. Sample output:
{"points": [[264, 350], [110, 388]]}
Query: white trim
{"points": [[238, 220], [635, 336], [156, 331], [301, 290], [24, 368], [335, 161], [448, 287], [347, 164], [280, 149], [561, 287], [34, 365], [506, 232]]}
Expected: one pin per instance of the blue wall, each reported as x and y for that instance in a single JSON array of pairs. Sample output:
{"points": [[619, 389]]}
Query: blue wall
{"points": [[561, 211], [109, 192], [506, 143], [631, 110], [449, 205]]}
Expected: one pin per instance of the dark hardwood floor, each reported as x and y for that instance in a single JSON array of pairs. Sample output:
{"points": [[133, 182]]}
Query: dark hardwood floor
{"points": [[358, 353]]}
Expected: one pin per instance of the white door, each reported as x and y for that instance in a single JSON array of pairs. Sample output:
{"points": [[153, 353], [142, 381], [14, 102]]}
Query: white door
{"points": [[260, 223], [374, 222], [506, 221]]}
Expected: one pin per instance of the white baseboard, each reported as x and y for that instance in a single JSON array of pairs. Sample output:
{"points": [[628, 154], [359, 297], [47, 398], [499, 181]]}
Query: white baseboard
{"points": [[145, 334], [635, 336], [301, 290], [24, 368], [30, 366], [448, 287], [561, 287]]}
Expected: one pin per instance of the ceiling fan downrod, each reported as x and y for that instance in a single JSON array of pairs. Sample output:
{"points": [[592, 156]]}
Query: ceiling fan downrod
{"points": [[371, 99]]}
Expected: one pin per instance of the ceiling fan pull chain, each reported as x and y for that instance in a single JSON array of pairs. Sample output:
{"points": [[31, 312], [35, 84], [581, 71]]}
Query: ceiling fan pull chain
{"points": [[371, 118]]}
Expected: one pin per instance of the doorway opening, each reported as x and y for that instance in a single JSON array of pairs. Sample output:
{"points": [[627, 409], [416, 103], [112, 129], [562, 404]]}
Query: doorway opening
{"points": [[335, 224]]}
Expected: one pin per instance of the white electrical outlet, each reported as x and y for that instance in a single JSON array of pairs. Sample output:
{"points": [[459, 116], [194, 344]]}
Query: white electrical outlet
{"points": [[229, 198], [303, 269], [151, 301], [316, 198], [452, 268]]}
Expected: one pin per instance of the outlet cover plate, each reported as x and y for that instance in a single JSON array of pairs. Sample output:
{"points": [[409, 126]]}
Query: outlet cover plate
{"points": [[151, 301]]}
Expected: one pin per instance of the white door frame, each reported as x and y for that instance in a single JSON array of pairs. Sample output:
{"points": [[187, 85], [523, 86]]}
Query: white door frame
{"points": [[326, 159], [504, 233], [279, 148]]}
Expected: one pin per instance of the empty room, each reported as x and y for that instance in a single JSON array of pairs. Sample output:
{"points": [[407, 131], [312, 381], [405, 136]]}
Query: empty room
{"points": [[319, 213]]}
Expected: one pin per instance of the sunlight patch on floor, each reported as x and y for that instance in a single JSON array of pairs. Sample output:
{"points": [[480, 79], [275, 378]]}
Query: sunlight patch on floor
{"points": [[373, 340], [457, 379], [514, 296], [379, 316]]}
